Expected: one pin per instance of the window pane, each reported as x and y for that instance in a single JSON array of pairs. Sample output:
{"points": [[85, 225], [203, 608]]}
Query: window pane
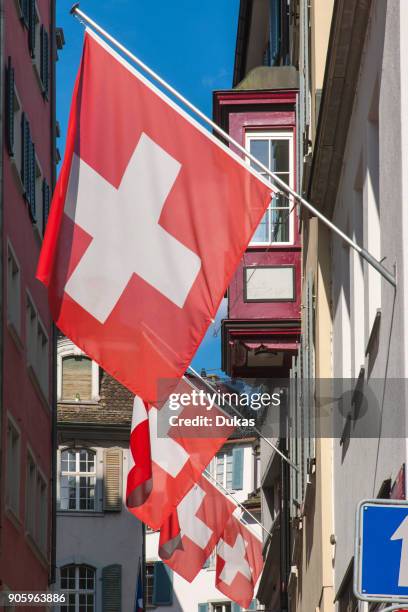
{"points": [[262, 231], [279, 155], [280, 225], [284, 176], [68, 461], [259, 149]]}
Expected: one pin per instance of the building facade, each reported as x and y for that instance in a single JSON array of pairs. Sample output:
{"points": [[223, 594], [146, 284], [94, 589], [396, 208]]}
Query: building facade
{"points": [[28, 52], [235, 469], [261, 334], [99, 543], [358, 179]]}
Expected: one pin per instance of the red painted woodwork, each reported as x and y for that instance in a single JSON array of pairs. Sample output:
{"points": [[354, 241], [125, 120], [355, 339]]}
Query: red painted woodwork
{"points": [[237, 112]]}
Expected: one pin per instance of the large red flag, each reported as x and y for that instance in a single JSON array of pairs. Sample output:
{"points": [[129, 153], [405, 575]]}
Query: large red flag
{"points": [[149, 219]]}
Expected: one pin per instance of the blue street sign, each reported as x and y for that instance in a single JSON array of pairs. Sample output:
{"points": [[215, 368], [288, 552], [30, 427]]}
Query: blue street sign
{"points": [[381, 554]]}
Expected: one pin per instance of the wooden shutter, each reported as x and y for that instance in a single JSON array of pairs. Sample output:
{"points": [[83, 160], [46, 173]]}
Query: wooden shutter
{"points": [[76, 378], [31, 183], [162, 585], [202, 607], [46, 197], [25, 11], [112, 588], [237, 468], [10, 107], [253, 605], [44, 60], [235, 607], [25, 153], [31, 26], [112, 497]]}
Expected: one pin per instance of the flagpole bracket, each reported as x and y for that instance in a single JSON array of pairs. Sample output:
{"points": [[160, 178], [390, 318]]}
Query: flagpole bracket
{"points": [[74, 8]]}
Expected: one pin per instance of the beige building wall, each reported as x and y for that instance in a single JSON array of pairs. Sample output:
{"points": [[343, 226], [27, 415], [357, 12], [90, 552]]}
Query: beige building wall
{"points": [[311, 585], [320, 20], [311, 581]]}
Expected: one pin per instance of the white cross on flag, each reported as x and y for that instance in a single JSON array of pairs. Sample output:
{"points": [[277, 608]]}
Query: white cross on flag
{"points": [[189, 536], [239, 562], [149, 219]]}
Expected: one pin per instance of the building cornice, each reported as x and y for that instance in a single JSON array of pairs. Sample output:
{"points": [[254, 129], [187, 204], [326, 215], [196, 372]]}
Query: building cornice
{"points": [[346, 43]]}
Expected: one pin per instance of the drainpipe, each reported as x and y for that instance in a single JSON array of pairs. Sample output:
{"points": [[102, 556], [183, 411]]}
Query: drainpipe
{"points": [[53, 52], [2, 315], [274, 31]]}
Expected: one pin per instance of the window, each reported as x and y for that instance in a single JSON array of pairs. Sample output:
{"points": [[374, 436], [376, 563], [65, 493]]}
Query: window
{"points": [[37, 347], [149, 584], [36, 518], [220, 607], [76, 378], [41, 518], [13, 291], [13, 468], [159, 585], [275, 151], [78, 582], [77, 479], [28, 170], [227, 468]]}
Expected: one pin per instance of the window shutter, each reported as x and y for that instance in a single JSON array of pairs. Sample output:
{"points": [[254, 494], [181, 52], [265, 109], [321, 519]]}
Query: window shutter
{"points": [[202, 607], [44, 63], [235, 607], [25, 154], [31, 187], [31, 26], [112, 588], [76, 378], [162, 585], [112, 498], [10, 106], [237, 467], [253, 605], [46, 196], [24, 6]]}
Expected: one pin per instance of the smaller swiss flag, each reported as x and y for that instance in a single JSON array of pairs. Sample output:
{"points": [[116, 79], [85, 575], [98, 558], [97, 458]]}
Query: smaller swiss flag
{"points": [[239, 563], [190, 534], [167, 463]]}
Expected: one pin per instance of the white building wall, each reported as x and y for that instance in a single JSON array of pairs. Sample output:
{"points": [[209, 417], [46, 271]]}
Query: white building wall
{"points": [[187, 596], [101, 539], [375, 178]]}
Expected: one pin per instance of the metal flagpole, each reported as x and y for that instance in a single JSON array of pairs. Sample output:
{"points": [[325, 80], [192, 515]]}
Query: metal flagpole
{"points": [[237, 412], [76, 11], [229, 494]]}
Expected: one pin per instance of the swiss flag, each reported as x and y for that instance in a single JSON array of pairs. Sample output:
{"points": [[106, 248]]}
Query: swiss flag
{"points": [[167, 466], [149, 219], [191, 533], [239, 563]]}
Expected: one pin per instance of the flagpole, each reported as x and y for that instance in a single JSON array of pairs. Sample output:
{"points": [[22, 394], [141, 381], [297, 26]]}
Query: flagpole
{"points": [[237, 412], [76, 11], [229, 494]]}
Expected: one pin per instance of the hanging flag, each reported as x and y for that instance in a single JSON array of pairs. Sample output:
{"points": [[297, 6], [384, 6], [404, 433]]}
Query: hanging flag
{"points": [[139, 607], [165, 468], [191, 533], [150, 217], [239, 563]]}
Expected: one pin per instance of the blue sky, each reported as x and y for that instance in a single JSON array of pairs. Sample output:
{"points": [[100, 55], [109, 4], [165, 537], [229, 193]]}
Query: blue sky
{"points": [[188, 42]]}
